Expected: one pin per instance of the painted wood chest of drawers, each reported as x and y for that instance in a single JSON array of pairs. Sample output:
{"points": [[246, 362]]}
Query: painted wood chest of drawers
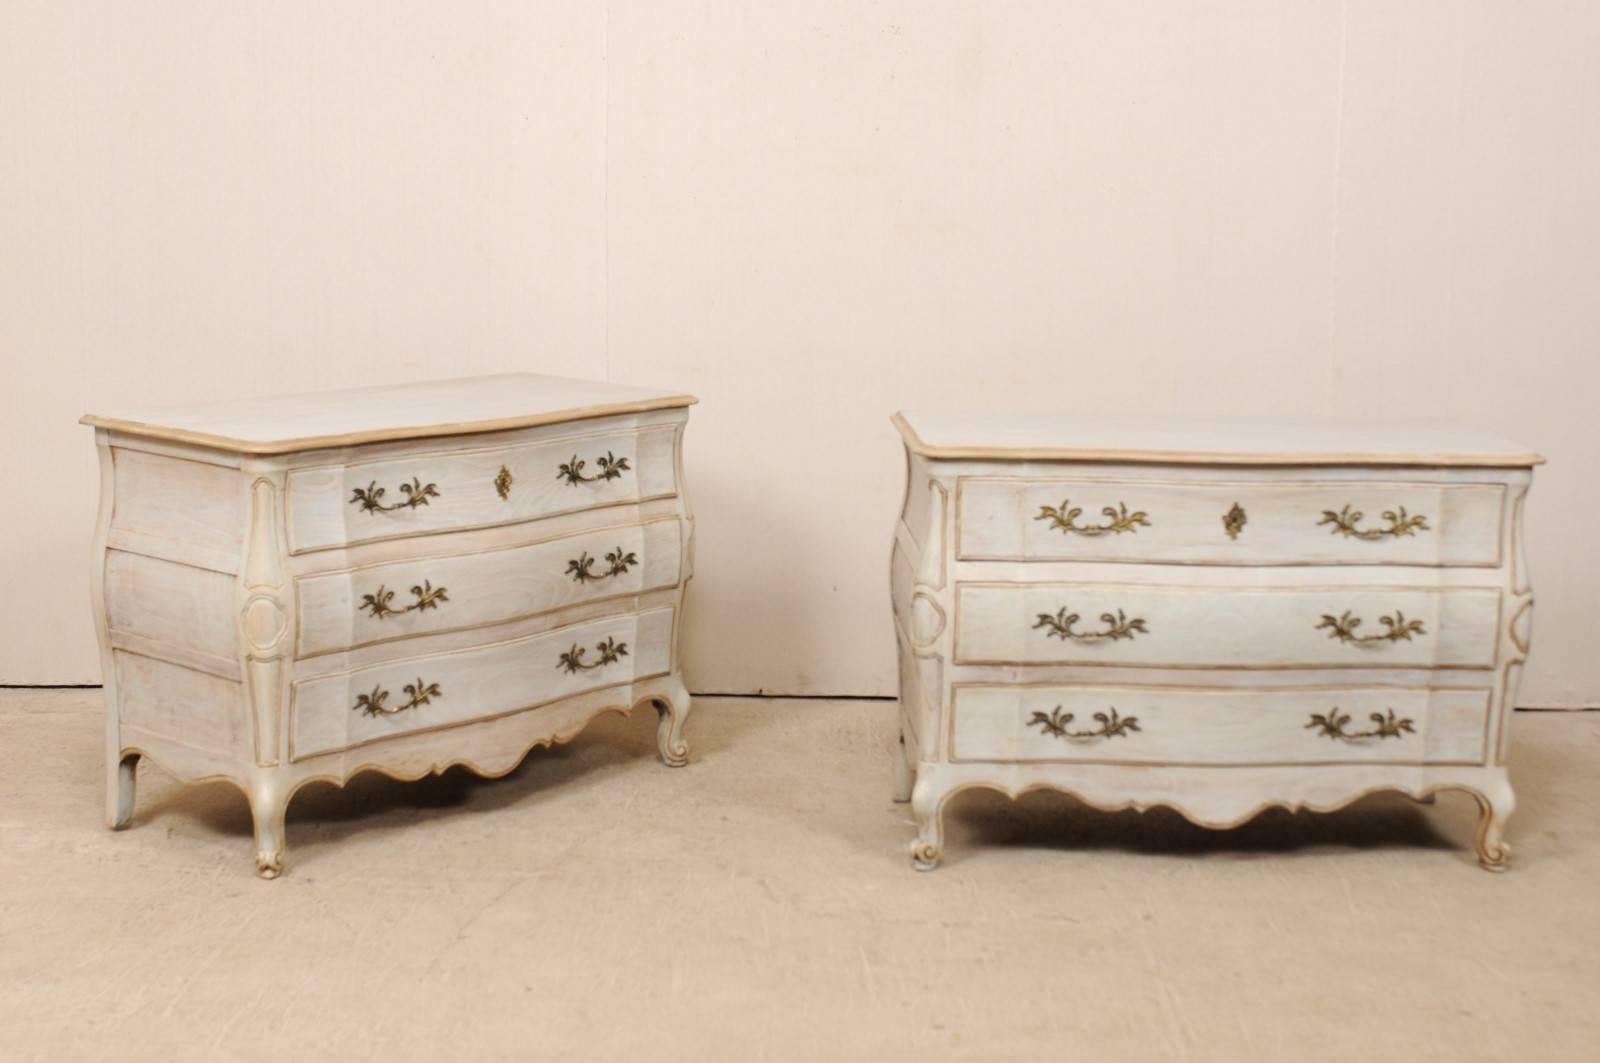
{"points": [[397, 579], [1217, 619]]}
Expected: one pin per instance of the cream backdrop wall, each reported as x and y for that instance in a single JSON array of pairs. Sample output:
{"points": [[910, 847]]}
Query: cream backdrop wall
{"points": [[809, 214]]}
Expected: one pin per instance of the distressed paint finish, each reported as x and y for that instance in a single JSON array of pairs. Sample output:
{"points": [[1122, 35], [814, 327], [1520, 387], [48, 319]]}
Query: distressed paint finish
{"points": [[1258, 615], [229, 653]]}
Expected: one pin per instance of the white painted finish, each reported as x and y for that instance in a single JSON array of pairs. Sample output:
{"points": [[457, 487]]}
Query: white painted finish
{"points": [[1216, 647], [228, 655], [1226, 627], [1217, 725], [1001, 519], [289, 423], [476, 684], [489, 587], [323, 510]]}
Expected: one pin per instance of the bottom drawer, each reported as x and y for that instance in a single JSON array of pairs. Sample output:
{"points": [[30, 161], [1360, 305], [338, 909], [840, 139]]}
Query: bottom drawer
{"points": [[338, 712], [1232, 726]]}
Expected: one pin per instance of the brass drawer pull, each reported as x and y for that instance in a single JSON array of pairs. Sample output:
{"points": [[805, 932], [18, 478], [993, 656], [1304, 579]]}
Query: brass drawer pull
{"points": [[1332, 726], [611, 468], [1111, 725], [417, 494], [428, 597], [502, 482], [1347, 522], [581, 568], [1118, 626], [1396, 628], [418, 693], [1119, 520], [610, 651]]}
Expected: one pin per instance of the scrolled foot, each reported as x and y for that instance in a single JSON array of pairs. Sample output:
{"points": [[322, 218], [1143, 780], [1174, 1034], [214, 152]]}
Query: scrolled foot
{"points": [[1496, 858], [927, 806], [267, 810], [269, 865], [1493, 811], [674, 711]]}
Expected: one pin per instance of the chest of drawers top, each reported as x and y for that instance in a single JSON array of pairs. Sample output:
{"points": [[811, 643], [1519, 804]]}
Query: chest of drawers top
{"points": [[1012, 438], [291, 423]]}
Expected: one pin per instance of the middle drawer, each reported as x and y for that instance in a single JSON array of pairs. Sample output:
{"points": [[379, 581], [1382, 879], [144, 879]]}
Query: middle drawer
{"points": [[401, 599], [1205, 626]]}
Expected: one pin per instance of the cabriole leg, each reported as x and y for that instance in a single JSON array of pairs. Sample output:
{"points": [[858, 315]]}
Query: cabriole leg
{"points": [[674, 709], [121, 780], [904, 775], [1494, 808], [267, 810], [927, 807]]}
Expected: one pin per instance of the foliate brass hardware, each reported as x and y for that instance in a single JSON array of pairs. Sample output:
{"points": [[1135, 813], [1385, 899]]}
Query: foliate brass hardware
{"points": [[1346, 521], [610, 651], [581, 568], [428, 597], [611, 468], [1111, 724], [418, 693], [1118, 626], [1396, 628], [1119, 520], [417, 494], [1234, 520], [502, 482], [1332, 725]]}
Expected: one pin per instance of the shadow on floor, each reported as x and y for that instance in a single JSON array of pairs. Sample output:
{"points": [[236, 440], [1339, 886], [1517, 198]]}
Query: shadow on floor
{"points": [[323, 812], [1047, 820]]}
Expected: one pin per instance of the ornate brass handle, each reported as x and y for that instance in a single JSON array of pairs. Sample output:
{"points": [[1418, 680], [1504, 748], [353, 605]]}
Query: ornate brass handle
{"points": [[418, 693], [503, 481], [1111, 725], [1118, 519], [417, 494], [1347, 522], [581, 568], [1396, 628], [610, 651], [428, 597], [1118, 626], [611, 468], [1332, 725]]}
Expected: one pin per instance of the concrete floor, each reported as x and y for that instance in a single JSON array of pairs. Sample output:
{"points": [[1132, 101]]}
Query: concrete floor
{"points": [[759, 905]]}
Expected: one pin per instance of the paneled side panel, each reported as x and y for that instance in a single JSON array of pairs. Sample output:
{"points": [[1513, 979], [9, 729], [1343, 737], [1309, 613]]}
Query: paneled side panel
{"points": [[191, 608], [173, 507], [181, 705]]}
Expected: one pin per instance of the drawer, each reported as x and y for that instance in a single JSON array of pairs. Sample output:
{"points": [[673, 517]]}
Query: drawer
{"points": [[1235, 726], [339, 505], [1243, 523], [1201, 626], [401, 599], [339, 712]]}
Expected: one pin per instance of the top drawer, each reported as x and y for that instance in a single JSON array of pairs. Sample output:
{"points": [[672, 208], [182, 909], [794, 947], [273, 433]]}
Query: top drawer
{"points": [[340, 505], [1221, 523]]}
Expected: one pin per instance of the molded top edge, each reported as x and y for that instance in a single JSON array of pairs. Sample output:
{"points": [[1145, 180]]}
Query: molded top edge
{"points": [[288, 423], [981, 437]]}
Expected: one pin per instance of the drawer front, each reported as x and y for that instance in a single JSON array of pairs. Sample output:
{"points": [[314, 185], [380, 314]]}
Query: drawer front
{"points": [[1192, 626], [1235, 726], [475, 488], [338, 712], [1255, 523], [401, 599]]}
